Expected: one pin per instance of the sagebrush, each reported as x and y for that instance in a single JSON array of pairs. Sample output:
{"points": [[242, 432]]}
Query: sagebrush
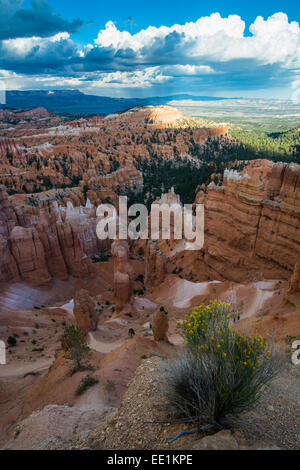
{"points": [[221, 371], [86, 383]]}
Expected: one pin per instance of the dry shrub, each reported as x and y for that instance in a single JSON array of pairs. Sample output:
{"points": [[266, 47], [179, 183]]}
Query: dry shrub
{"points": [[221, 371]]}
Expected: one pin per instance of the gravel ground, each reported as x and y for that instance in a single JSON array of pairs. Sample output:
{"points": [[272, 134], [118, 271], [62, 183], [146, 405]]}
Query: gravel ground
{"points": [[277, 416], [274, 423], [137, 423]]}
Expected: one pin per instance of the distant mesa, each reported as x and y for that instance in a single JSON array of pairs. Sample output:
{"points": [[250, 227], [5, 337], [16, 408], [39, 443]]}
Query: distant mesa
{"points": [[76, 102]]}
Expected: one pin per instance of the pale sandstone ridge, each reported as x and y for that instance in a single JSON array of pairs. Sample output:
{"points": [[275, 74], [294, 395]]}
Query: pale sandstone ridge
{"points": [[252, 222], [85, 312], [52, 425], [164, 114], [123, 275]]}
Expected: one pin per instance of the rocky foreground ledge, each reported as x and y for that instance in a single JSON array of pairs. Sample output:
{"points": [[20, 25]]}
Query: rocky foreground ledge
{"points": [[141, 424]]}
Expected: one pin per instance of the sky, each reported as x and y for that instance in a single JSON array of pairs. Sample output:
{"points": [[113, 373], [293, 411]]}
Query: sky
{"points": [[138, 49]]}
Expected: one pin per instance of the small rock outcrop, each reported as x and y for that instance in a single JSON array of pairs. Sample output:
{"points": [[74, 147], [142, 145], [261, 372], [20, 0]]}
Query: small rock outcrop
{"points": [[293, 286], [123, 274], [155, 265], [160, 325], [292, 290], [84, 311]]}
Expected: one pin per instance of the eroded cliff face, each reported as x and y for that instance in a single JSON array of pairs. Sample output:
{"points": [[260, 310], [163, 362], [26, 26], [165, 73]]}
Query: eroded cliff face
{"points": [[252, 223]]}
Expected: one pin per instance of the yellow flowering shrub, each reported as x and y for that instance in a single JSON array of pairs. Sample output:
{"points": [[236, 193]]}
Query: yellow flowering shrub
{"points": [[208, 329], [220, 372]]}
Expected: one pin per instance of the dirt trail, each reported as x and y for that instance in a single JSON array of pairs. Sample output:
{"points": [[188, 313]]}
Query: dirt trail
{"points": [[103, 346], [13, 371], [179, 293], [68, 307]]}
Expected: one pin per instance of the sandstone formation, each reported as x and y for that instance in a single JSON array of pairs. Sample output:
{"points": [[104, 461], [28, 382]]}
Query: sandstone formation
{"points": [[293, 286], [252, 223], [160, 325], [31, 114], [28, 251], [155, 265], [56, 172], [123, 274], [251, 230], [84, 312], [97, 155], [41, 240], [292, 290], [8, 265]]}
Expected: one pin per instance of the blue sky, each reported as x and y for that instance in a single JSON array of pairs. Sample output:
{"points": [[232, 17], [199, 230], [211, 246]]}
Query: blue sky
{"points": [[95, 14], [138, 48]]}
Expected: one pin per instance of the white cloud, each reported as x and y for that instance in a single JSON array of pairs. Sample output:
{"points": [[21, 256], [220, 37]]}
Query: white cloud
{"points": [[179, 70], [89, 82], [23, 46], [19, 81], [213, 38], [213, 52], [137, 79], [233, 26]]}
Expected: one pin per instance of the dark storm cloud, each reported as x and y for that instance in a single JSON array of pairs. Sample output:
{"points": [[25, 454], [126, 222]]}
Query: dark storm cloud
{"points": [[39, 20], [39, 55]]}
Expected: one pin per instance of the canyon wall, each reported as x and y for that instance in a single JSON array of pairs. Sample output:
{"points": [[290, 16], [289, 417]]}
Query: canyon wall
{"points": [[252, 222]]}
